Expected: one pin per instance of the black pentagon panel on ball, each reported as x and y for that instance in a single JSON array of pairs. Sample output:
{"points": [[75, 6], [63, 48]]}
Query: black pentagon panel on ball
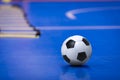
{"points": [[70, 44], [66, 58], [85, 41], [81, 56]]}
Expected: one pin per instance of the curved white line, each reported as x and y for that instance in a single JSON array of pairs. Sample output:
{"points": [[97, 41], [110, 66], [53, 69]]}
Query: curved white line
{"points": [[77, 27], [71, 14]]}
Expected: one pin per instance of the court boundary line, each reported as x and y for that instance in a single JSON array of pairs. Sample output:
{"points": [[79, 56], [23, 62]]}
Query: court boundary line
{"points": [[71, 13], [77, 27], [72, 1], [66, 1]]}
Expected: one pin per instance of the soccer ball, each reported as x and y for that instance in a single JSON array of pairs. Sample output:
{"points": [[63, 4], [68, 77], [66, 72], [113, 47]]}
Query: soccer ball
{"points": [[76, 50]]}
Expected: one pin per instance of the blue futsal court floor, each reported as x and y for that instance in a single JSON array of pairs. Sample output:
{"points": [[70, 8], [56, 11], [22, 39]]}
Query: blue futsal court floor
{"points": [[40, 59]]}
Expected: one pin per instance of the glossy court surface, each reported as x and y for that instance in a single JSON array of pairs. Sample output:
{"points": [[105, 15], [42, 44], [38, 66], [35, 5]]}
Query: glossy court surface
{"points": [[40, 58]]}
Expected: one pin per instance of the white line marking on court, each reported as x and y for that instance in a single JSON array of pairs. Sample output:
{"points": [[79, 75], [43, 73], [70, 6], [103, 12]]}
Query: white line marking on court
{"points": [[71, 14], [77, 27]]}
